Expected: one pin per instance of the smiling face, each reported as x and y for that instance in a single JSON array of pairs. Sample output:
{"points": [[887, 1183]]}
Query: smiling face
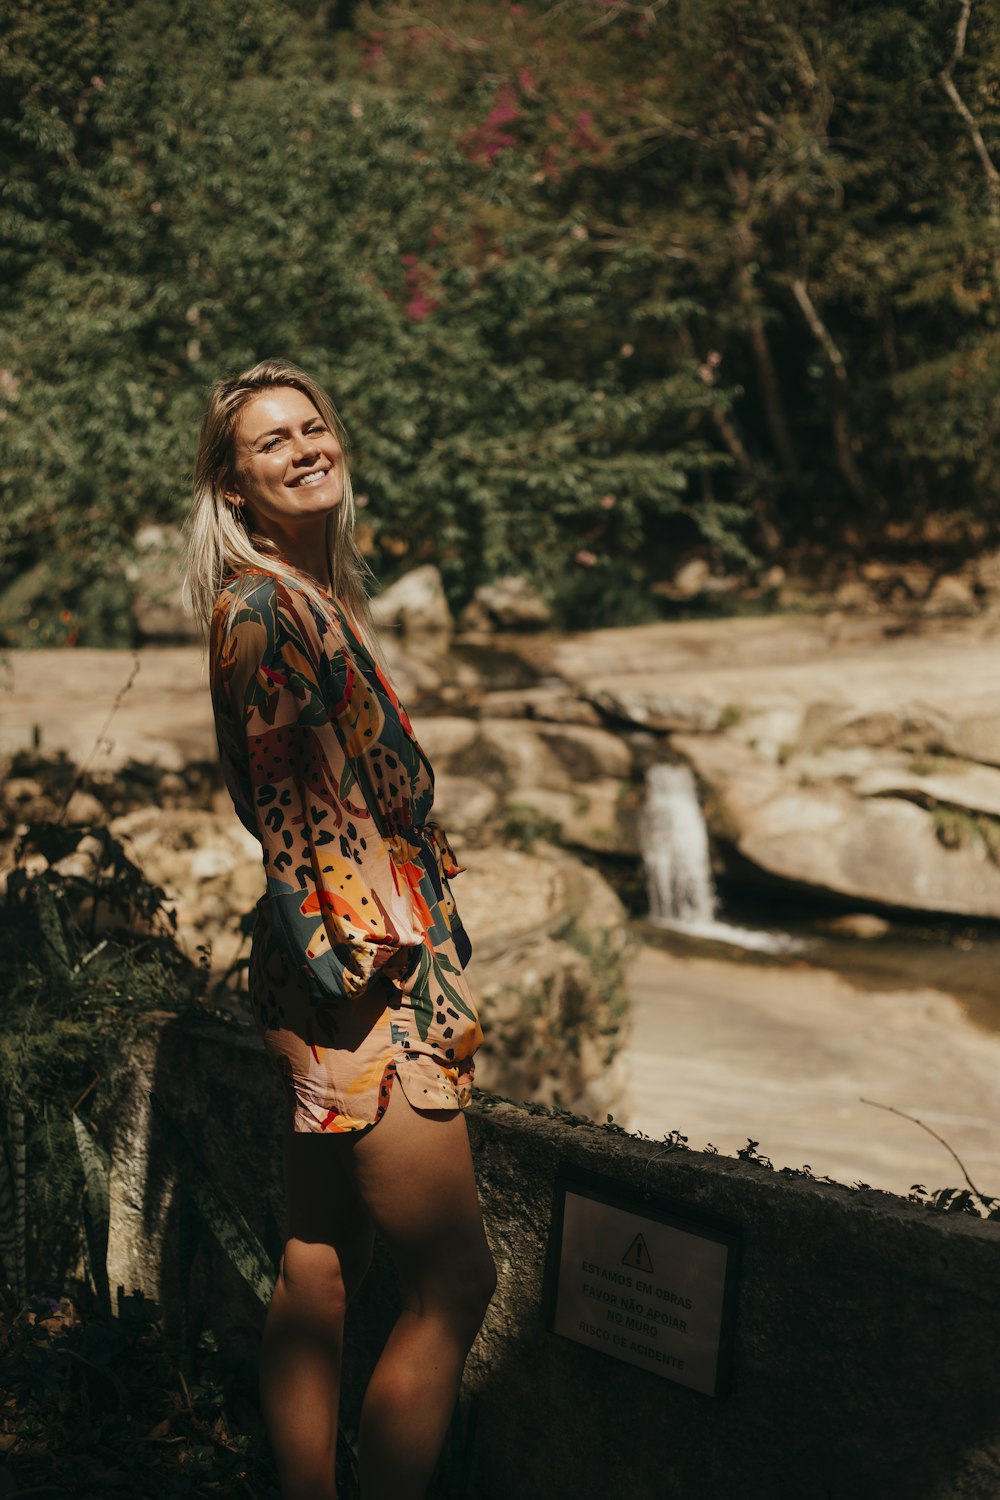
{"points": [[289, 466]]}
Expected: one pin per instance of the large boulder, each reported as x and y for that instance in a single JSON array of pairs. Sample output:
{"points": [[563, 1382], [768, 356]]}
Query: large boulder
{"points": [[573, 780], [155, 573], [510, 603], [549, 938], [415, 604], [879, 848], [209, 868]]}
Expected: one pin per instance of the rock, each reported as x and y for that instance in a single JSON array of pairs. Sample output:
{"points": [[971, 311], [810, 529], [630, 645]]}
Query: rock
{"points": [[889, 728], [430, 679], [942, 526], [987, 572], [690, 580], [771, 731], [211, 862], [918, 579], [155, 574], [206, 862], [857, 924], [415, 604], [592, 816], [974, 736], [21, 792], [584, 770], [976, 788], [552, 991], [520, 753], [882, 850], [164, 718], [584, 753], [556, 705], [84, 862], [475, 621], [84, 809], [463, 803], [510, 603], [853, 593], [951, 596], [504, 895], [658, 709], [445, 736]]}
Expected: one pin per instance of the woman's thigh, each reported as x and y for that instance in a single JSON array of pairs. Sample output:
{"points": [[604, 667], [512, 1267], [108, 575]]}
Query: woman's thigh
{"points": [[323, 1204], [414, 1173]]}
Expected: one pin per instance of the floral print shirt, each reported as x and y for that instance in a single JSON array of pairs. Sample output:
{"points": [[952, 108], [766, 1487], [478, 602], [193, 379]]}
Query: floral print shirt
{"points": [[324, 769]]}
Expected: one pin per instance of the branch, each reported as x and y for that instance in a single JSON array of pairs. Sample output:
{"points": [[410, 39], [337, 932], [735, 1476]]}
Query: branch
{"points": [[841, 430], [892, 1110], [820, 331], [646, 13], [982, 150]]}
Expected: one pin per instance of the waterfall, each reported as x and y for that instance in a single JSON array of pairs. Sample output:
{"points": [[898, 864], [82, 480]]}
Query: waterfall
{"points": [[675, 849], [678, 868]]}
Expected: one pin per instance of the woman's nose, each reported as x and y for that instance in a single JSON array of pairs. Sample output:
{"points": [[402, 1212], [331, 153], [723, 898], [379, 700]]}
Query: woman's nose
{"points": [[304, 447]]}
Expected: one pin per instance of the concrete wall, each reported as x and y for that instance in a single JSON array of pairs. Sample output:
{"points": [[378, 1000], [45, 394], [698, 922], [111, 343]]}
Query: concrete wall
{"points": [[865, 1356]]}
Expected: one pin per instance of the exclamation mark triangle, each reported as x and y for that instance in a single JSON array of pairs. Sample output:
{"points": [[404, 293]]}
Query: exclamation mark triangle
{"points": [[637, 1256]]}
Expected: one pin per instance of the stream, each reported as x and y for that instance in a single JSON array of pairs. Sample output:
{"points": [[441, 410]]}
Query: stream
{"points": [[744, 1030]]}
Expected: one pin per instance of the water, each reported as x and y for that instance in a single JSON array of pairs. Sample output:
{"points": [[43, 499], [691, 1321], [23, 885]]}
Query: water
{"points": [[675, 852]]}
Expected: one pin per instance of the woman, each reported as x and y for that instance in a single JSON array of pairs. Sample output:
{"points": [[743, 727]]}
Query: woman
{"points": [[356, 973]]}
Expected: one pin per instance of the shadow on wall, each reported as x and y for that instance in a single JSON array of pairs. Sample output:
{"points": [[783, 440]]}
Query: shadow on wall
{"points": [[864, 1361]]}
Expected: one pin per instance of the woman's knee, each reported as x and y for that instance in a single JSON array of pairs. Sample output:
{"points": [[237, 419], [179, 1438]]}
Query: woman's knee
{"points": [[324, 1275], [471, 1289]]}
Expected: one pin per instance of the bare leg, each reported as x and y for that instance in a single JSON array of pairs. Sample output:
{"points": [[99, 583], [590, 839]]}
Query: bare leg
{"points": [[326, 1256], [414, 1173]]}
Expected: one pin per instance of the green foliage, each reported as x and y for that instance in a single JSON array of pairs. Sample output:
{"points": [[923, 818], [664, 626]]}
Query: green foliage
{"points": [[96, 1406], [960, 828], [81, 961], [219, 1213], [524, 825], [97, 1208], [589, 282]]}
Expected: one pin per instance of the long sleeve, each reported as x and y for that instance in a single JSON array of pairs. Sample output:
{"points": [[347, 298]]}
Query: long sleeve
{"points": [[300, 717]]}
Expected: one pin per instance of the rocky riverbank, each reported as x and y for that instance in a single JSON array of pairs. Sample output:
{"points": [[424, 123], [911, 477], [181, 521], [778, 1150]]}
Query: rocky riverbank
{"points": [[853, 757]]}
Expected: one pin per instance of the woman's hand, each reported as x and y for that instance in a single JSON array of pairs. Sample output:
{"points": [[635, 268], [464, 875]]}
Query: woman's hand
{"points": [[406, 984]]}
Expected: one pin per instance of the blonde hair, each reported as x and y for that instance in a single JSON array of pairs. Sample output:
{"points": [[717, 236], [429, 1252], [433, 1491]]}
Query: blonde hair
{"points": [[220, 541]]}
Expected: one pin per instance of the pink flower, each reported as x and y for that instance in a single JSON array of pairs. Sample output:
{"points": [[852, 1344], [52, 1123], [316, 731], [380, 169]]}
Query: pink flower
{"points": [[420, 306], [583, 137], [607, 502], [505, 109], [585, 558], [497, 144]]}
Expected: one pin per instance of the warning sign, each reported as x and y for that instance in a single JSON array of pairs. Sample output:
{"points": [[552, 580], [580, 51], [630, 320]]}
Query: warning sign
{"points": [[664, 1305], [638, 1256]]}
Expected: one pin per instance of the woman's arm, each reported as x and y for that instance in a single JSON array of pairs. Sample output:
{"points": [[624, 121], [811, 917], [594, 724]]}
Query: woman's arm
{"points": [[340, 905]]}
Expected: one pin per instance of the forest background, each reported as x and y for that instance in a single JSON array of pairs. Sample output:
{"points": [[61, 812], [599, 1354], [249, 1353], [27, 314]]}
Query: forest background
{"points": [[597, 286]]}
